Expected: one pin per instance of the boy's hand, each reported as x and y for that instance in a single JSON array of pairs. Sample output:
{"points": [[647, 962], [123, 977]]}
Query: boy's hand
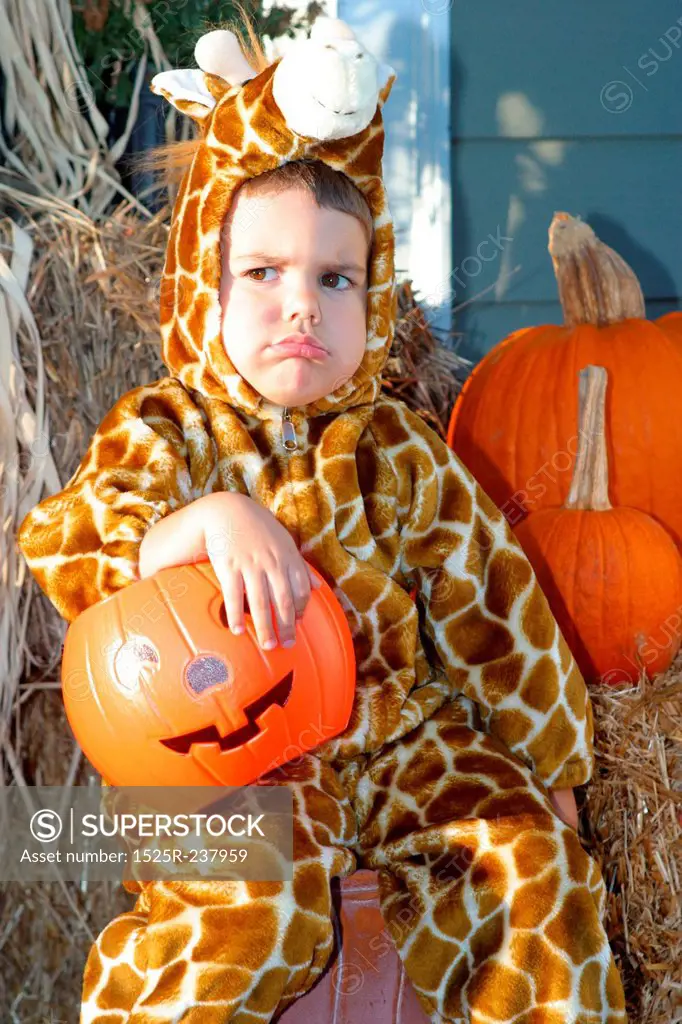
{"points": [[563, 801], [251, 552]]}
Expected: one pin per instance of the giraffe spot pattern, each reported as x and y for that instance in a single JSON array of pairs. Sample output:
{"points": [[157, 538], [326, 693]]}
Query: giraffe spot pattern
{"points": [[421, 773], [499, 991], [590, 987], [452, 1000], [476, 639], [450, 914], [560, 727], [480, 547], [429, 958], [420, 516], [541, 689], [169, 982], [501, 678], [487, 939], [300, 938], [551, 975], [459, 800], [539, 627], [117, 934], [578, 943], [512, 727], [533, 853], [456, 503], [426, 899], [252, 935], [311, 889], [121, 981], [489, 883], [508, 577]]}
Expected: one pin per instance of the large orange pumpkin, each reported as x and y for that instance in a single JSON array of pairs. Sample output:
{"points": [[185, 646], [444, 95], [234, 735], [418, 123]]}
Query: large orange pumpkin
{"points": [[160, 692], [513, 424], [612, 576]]}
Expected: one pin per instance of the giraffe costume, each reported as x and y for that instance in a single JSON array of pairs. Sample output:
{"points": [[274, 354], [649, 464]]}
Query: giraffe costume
{"points": [[468, 700]]}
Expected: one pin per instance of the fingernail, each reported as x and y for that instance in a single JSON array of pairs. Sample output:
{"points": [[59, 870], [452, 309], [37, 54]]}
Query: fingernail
{"points": [[288, 643], [269, 644], [237, 630]]}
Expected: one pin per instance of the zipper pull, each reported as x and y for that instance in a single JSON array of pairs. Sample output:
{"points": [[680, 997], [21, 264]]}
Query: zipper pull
{"points": [[288, 432]]}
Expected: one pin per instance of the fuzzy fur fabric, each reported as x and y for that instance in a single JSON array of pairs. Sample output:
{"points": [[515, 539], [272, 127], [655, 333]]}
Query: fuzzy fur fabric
{"points": [[468, 699]]}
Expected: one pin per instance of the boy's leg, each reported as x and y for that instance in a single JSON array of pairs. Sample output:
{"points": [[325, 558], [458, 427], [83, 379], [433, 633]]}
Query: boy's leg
{"points": [[216, 952], [493, 905]]}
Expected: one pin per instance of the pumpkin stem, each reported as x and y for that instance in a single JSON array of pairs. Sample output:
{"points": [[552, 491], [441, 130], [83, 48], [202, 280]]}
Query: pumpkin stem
{"points": [[590, 483], [596, 285]]}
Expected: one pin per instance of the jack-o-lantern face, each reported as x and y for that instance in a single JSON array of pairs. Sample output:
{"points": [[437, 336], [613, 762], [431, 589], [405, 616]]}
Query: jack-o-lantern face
{"points": [[158, 691]]}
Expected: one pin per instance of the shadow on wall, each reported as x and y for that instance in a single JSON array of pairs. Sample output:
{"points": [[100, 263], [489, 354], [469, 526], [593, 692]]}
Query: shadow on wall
{"points": [[648, 268], [490, 260], [417, 151], [512, 177]]}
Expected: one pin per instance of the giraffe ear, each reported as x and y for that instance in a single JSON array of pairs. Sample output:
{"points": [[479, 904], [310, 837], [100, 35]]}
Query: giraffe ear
{"points": [[187, 90], [387, 75], [221, 64]]}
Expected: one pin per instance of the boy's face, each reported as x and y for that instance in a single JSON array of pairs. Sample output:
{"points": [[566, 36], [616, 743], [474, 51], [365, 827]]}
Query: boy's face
{"points": [[291, 267]]}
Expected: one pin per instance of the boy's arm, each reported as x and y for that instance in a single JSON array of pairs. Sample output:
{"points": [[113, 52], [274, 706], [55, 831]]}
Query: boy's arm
{"points": [[487, 617], [82, 543]]}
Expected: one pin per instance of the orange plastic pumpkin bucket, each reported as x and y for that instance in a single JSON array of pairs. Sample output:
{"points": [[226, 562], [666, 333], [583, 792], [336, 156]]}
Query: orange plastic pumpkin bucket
{"points": [[159, 692]]}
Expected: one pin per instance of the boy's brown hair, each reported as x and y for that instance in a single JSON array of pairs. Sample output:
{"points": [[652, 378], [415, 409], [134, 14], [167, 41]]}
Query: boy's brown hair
{"points": [[330, 189]]}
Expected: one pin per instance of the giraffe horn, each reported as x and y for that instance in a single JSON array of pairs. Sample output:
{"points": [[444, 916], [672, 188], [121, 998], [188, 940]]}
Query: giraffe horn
{"points": [[219, 53]]}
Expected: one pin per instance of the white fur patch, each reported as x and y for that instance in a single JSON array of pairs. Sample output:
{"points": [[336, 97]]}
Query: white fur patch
{"points": [[327, 87]]}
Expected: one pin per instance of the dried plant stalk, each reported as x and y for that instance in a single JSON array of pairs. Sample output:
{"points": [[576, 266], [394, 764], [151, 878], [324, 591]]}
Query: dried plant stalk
{"points": [[59, 137], [633, 817]]}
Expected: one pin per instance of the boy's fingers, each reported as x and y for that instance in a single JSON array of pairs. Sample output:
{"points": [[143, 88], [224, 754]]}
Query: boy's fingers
{"points": [[232, 587], [285, 609], [258, 596], [314, 581], [300, 587]]}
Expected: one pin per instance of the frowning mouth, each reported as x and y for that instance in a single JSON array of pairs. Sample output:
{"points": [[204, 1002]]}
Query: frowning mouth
{"points": [[304, 345]]}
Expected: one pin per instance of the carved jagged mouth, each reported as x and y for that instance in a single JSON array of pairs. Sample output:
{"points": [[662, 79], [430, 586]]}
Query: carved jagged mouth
{"points": [[343, 113], [278, 694]]}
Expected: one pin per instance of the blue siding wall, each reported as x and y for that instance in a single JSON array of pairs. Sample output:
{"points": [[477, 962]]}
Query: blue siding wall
{"points": [[561, 106]]}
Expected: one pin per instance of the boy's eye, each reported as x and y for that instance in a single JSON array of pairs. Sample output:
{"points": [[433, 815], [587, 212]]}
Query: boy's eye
{"points": [[258, 270], [333, 280]]}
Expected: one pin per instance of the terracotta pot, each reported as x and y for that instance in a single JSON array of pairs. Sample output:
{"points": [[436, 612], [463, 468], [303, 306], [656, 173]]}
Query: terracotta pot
{"points": [[365, 982]]}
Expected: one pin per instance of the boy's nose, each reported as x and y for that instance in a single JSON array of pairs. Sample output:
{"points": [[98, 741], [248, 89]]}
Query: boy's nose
{"points": [[302, 304]]}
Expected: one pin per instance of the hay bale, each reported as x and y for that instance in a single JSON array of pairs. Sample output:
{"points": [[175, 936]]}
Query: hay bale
{"points": [[91, 334], [631, 818]]}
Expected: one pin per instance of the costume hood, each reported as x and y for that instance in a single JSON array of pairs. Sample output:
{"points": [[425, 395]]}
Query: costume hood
{"points": [[321, 101]]}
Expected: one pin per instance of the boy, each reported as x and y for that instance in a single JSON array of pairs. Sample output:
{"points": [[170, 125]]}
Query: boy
{"points": [[270, 443]]}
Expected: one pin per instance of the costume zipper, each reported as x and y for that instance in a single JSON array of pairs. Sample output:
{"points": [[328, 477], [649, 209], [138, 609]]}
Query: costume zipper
{"points": [[288, 431]]}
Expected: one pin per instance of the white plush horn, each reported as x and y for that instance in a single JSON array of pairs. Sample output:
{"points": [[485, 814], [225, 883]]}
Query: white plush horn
{"points": [[219, 53]]}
